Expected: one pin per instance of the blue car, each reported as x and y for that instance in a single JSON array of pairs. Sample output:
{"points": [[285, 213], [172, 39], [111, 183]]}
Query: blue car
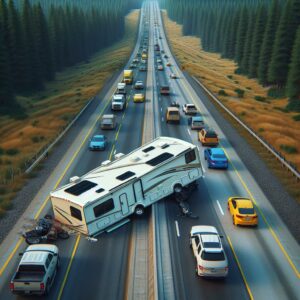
{"points": [[98, 142], [216, 158]]}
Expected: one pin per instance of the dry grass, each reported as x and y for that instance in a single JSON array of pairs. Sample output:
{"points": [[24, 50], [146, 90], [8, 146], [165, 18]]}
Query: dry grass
{"points": [[265, 117], [50, 110]]}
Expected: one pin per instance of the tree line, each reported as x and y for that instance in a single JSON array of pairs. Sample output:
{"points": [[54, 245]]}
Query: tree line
{"points": [[262, 36], [40, 38]]}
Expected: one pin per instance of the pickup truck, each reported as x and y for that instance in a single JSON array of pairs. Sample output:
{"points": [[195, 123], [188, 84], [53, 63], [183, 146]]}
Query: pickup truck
{"points": [[36, 270], [118, 102]]}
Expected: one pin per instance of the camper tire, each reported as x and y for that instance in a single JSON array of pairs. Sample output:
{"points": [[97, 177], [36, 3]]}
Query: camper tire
{"points": [[139, 210], [177, 188]]}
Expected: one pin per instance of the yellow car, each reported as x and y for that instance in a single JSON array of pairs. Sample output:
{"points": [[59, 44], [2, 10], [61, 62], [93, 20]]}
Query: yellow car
{"points": [[208, 137], [138, 98], [242, 211]]}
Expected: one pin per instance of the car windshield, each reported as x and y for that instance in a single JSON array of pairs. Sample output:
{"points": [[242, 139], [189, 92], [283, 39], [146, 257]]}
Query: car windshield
{"points": [[98, 139], [189, 106], [211, 245], [198, 123], [246, 211], [219, 156], [173, 113], [118, 100], [211, 135], [213, 256]]}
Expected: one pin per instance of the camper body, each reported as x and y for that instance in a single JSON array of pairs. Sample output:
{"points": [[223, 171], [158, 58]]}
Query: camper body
{"points": [[110, 193]]}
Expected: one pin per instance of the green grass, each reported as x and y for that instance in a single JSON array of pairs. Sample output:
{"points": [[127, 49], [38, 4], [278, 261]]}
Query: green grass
{"points": [[240, 93], [260, 98], [289, 149], [222, 93], [296, 117]]}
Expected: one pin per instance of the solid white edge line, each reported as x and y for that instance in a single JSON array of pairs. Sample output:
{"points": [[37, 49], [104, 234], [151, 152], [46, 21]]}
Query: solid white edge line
{"points": [[177, 229], [222, 212]]}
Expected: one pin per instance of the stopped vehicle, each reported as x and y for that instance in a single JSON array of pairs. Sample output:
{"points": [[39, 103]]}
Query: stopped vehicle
{"points": [[105, 197]]}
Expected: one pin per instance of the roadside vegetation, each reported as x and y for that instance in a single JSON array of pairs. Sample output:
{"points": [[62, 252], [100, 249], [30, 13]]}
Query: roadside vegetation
{"points": [[246, 98], [51, 109]]}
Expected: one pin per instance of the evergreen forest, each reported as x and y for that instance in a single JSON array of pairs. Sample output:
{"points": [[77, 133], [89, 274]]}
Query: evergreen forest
{"points": [[40, 38], [261, 36]]}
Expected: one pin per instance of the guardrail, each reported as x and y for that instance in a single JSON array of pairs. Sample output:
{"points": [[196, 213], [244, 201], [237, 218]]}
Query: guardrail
{"points": [[271, 149]]}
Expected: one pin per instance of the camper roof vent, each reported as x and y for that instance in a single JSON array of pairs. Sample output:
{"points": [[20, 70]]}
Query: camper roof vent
{"points": [[146, 154], [119, 155], [74, 179], [164, 145], [105, 163], [135, 159]]}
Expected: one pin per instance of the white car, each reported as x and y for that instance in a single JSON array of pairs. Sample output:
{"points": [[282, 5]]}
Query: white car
{"points": [[173, 76], [208, 251], [189, 109], [139, 85]]}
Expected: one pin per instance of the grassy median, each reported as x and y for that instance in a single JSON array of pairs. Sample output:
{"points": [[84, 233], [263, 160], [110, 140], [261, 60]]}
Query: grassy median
{"points": [[46, 113], [247, 99]]}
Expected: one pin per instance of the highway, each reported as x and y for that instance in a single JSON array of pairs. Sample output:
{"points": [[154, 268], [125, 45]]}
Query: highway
{"points": [[268, 255], [264, 262]]}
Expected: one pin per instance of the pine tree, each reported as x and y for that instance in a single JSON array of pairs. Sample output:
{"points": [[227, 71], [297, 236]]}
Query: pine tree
{"points": [[241, 35], [34, 73], [6, 92], [16, 48], [260, 24], [43, 44], [245, 63], [285, 35], [268, 42], [293, 82]]}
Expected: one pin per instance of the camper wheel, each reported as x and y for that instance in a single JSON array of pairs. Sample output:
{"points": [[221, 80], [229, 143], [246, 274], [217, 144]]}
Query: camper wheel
{"points": [[177, 188], [139, 210]]}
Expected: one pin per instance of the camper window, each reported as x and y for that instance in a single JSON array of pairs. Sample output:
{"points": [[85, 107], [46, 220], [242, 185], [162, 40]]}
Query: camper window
{"points": [[125, 175], [190, 156], [80, 187], [104, 208], [148, 149], [75, 213], [159, 159]]}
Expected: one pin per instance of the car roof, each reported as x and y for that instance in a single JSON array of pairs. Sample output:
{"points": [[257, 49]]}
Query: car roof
{"points": [[203, 229], [37, 254], [244, 203], [217, 151]]}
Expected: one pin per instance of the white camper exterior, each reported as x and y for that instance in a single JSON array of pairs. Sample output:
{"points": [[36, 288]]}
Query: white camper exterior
{"points": [[107, 195]]}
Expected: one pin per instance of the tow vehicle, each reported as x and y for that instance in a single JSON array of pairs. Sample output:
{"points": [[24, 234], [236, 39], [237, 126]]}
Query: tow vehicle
{"points": [[36, 271]]}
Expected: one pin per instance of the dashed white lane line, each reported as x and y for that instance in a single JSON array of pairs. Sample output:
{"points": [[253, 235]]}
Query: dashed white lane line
{"points": [[189, 133], [162, 119], [177, 229], [161, 109], [221, 210]]}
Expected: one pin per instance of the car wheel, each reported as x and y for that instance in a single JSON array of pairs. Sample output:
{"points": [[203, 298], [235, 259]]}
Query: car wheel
{"points": [[47, 290], [139, 210], [177, 188]]}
